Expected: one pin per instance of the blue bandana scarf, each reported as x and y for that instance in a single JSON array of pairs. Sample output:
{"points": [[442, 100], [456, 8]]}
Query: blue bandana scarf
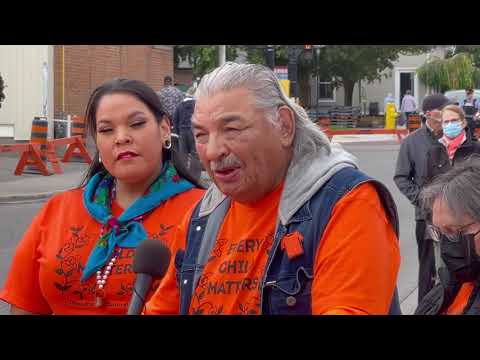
{"points": [[125, 231]]}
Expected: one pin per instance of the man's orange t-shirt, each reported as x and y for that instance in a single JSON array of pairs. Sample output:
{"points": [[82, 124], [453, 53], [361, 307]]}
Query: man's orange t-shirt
{"points": [[355, 272], [44, 277], [230, 282]]}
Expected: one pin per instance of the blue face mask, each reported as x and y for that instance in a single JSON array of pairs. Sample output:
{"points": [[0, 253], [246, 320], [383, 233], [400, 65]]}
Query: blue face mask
{"points": [[452, 129]]}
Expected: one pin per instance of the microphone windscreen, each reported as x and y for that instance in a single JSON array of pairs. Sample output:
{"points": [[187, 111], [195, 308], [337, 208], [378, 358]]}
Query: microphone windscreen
{"points": [[151, 257]]}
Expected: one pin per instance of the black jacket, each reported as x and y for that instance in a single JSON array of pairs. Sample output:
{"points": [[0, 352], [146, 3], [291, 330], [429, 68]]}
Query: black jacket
{"points": [[438, 161], [182, 117], [411, 169]]}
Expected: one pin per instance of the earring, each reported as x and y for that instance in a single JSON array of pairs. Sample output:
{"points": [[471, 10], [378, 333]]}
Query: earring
{"points": [[99, 159], [168, 144]]}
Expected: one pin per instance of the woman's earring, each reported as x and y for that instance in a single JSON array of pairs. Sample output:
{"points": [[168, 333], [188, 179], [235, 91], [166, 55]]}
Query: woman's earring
{"points": [[99, 159], [168, 144]]}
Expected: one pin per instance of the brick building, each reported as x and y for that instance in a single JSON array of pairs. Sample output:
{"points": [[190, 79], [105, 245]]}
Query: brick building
{"points": [[79, 69]]}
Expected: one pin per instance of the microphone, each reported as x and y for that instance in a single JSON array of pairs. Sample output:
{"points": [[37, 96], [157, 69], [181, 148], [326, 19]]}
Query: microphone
{"points": [[151, 262]]}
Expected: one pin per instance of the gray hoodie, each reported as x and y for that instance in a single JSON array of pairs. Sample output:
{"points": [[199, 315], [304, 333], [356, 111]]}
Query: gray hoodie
{"points": [[305, 176]]}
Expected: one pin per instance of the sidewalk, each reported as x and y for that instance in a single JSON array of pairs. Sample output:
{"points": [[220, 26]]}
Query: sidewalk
{"points": [[28, 187], [364, 138]]}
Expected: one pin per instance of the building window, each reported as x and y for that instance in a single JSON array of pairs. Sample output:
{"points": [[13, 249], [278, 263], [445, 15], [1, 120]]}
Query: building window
{"points": [[325, 89]]}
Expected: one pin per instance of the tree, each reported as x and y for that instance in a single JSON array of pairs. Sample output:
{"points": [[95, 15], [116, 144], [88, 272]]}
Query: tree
{"points": [[256, 54], [203, 58], [2, 87], [348, 64], [473, 50], [456, 72]]}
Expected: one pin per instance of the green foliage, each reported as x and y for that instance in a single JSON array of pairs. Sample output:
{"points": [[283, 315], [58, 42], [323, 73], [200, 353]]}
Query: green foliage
{"points": [[362, 62], [203, 58], [456, 72], [473, 50], [347, 64]]}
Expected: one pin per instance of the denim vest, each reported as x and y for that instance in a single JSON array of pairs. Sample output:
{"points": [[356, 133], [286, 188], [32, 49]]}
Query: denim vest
{"points": [[286, 283]]}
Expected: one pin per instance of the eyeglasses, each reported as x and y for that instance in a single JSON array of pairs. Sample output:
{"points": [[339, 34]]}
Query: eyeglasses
{"points": [[451, 121], [455, 237]]}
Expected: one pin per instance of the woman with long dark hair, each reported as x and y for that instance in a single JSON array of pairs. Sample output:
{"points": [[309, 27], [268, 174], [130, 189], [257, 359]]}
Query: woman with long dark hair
{"points": [[76, 257]]}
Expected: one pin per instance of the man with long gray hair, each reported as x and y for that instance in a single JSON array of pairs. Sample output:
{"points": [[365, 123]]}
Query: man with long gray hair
{"points": [[289, 225], [454, 200]]}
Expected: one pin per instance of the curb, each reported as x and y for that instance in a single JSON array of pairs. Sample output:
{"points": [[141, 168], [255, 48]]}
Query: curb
{"points": [[23, 198]]}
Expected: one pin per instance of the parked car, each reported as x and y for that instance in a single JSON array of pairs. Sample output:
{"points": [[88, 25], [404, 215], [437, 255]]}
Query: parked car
{"points": [[458, 96]]}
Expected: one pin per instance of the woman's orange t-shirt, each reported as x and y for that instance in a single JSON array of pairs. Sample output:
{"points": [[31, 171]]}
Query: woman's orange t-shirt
{"points": [[44, 277]]}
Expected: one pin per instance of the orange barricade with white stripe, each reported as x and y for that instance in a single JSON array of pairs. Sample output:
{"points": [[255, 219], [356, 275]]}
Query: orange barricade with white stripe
{"points": [[414, 122], [401, 133], [30, 156], [74, 143], [39, 133], [78, 126]]}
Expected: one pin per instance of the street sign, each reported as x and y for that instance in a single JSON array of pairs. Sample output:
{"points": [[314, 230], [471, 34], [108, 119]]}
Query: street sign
{"points": [[282, 74]]}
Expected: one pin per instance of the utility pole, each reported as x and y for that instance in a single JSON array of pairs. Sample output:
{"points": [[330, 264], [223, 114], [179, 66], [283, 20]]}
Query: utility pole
{"points": [[222, 54], [293, 53], [317, 63], [270, 56]]}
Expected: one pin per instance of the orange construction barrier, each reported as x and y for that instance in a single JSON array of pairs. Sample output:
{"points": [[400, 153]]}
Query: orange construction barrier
{"points": [[39, 136], [401, 133], [414, 122], [78, 129], [78, 126], [39, 132], [6, 148], [74, 143], [31, 156]]}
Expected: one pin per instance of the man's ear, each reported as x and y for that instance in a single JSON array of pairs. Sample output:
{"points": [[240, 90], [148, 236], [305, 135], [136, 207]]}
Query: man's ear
{"points": [[286, 120]]}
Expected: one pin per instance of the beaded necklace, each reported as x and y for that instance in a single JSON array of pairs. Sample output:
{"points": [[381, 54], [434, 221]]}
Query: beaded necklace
{"points": [[102, 277]]}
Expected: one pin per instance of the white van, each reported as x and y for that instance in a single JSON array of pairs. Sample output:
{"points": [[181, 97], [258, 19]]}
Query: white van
{"points": [[457, 96]]}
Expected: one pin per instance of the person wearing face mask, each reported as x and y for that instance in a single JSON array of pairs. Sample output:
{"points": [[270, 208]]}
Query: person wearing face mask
{"points": [[454, 146], [454, 200], [410, 175]]}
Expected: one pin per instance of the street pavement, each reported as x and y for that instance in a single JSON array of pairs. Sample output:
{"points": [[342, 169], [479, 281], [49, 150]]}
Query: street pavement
{"points": [[22, 196]]}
